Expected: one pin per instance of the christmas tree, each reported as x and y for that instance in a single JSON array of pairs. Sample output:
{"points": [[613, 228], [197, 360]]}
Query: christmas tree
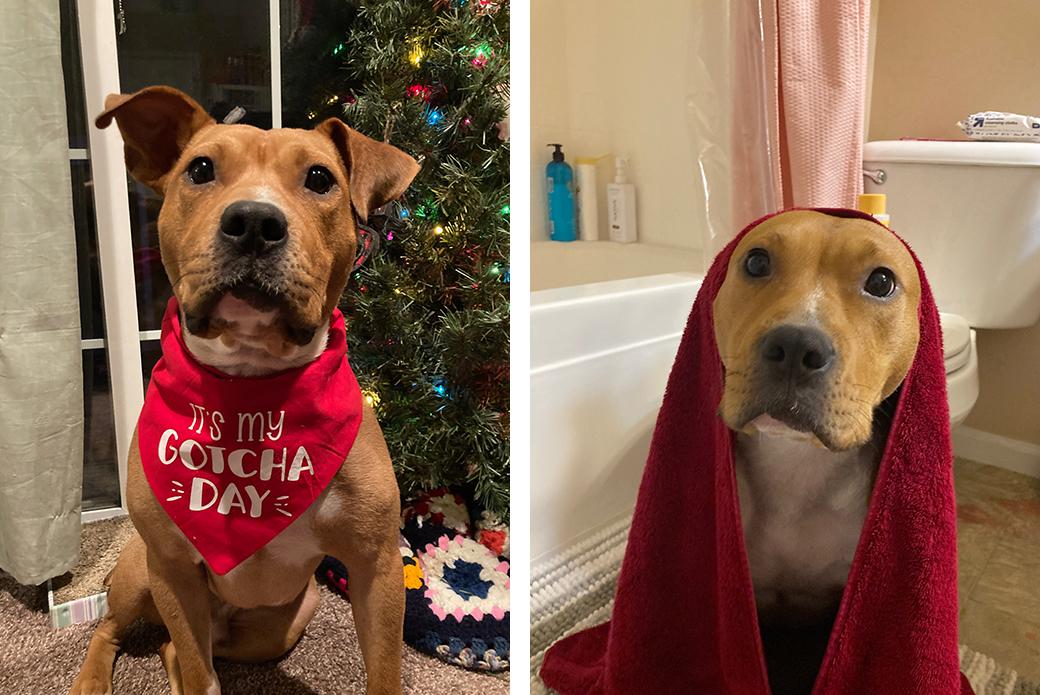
{"points": [[427, 312]]}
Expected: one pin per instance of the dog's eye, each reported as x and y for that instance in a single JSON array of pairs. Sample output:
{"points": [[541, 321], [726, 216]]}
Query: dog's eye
{"points": [[200, 171], [319, 179], [756, 264], [881, 283]]}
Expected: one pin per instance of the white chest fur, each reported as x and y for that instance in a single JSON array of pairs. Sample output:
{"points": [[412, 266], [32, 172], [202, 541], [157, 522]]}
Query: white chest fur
{"points": [[278, 572], [802, 509]]}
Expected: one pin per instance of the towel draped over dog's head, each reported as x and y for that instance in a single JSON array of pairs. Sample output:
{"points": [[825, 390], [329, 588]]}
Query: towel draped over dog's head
{"points": [[684, 618]]}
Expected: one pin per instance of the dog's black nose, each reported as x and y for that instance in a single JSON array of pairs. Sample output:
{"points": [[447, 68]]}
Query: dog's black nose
{"points": [[252, 227], [797, 351]]}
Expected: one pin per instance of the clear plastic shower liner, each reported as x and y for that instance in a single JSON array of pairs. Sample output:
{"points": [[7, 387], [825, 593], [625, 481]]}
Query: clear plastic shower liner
{"points": [[732, 117]]}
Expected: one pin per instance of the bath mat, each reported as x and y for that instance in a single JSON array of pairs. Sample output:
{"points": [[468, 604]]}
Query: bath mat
{"points": [[456, 578], [990, 678]]}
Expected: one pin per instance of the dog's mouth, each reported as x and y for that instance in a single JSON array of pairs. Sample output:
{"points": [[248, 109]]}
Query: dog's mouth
{"points": [[270, 305], [260, 297], [767, 424], [787, 424], [792, 415], [795, 413]]}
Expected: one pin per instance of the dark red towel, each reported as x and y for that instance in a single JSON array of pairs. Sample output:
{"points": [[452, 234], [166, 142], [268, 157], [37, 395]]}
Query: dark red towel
{"points": [[684, 617]]}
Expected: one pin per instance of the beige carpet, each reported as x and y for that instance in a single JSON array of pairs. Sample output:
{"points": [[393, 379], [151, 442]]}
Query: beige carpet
{"points": [[37, 659], [99, 546]]}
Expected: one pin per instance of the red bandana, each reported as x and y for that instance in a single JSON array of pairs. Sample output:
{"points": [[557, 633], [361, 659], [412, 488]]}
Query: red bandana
{"points": [[235, 460]]}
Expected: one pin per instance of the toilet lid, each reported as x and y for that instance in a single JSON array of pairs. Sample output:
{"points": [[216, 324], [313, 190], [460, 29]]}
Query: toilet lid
{"points": [[956, 341]]}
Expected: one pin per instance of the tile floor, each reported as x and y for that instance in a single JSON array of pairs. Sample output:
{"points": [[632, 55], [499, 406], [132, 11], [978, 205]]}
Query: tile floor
{"points": [[998, 525]]}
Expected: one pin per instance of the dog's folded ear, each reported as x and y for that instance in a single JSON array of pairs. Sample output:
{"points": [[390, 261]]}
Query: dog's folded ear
{"points": [[378, 172], [156, 123]]}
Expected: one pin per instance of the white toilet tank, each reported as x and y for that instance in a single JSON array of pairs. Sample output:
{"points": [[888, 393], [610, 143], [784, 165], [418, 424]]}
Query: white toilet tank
{"points": [[971, 212]]}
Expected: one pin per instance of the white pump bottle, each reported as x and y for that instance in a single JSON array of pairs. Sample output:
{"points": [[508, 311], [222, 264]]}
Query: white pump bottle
{"points": [[621, 205]]}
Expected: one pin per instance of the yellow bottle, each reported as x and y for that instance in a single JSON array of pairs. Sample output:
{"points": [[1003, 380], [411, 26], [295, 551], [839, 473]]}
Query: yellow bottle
{"points": [[874, 204]]}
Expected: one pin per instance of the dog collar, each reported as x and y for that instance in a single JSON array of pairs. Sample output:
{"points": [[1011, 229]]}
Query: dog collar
{"points": [[234, 460]]}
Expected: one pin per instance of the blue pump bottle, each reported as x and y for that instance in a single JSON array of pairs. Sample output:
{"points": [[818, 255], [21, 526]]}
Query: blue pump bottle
{"points": [[559, 183]]}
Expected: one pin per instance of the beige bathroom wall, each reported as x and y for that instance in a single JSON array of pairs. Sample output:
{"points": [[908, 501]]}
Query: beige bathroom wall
{"points": [[937, 61], [611, 76]]}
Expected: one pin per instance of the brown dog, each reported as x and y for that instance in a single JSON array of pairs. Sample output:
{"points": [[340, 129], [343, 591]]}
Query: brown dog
{"points": [[817, 327], [251, 309]]}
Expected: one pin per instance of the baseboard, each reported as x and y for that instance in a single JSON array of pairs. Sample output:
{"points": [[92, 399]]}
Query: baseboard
{"points": [[92, 515], [995, 450]]}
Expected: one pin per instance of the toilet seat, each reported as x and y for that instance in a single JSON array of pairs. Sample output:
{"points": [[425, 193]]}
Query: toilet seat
{"points": [[962, 366], [956, 341]]}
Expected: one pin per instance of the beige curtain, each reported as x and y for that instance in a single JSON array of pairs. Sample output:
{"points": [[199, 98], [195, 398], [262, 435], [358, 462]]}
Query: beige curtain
{"points": [[41, 380]]}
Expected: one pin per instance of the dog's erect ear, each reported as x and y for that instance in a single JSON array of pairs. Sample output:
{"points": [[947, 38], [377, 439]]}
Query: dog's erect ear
{"points": [[378, 172], [156, 123]]}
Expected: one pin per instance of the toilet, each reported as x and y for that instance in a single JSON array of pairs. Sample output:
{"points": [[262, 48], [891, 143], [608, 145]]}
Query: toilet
{"points": [[962, 365], [971, 213]]}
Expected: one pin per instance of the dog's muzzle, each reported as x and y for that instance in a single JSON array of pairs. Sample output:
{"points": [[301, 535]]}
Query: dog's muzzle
{"points": [[252, 240], [792, 376]]}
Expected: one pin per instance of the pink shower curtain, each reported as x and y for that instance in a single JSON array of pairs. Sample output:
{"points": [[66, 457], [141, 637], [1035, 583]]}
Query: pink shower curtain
{"points": [[805, 63], [822, 86]]}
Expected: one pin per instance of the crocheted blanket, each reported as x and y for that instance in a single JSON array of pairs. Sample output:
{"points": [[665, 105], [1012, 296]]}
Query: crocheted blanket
{"points": [[456, 578]]}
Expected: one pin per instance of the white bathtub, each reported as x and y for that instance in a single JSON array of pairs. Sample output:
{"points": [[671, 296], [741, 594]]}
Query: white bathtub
{"points": [[600, 357]]}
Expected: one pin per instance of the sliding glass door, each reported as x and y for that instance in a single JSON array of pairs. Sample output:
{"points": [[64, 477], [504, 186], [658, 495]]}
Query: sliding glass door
{"points": [[225, 55]]}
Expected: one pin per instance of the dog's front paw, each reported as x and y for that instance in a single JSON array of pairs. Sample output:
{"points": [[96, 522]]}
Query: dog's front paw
{"points": [[91, 684]]}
